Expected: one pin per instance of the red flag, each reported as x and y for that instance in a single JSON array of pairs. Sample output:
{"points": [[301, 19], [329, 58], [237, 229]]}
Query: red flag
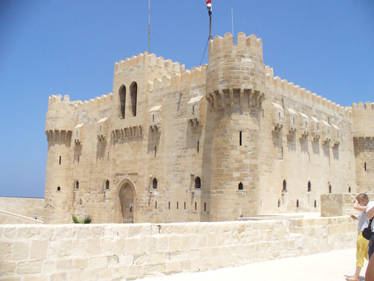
{"points": [[209, 6]]}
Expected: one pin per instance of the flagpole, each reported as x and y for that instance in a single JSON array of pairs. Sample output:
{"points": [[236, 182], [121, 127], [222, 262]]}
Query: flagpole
{"points": [[149, 26], [210, 27]]}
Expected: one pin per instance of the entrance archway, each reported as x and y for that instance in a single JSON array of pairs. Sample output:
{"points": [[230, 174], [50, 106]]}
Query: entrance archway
{"points": [[127, 200]]}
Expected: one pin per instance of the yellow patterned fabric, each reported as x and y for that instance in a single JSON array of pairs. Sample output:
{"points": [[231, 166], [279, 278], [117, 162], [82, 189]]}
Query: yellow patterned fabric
{"points": [[361, 250]]}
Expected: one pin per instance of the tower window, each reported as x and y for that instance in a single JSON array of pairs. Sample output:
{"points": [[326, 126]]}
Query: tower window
{"points": [[122, 100], [309, 186], [59, 160], [330, 188], [154, 183], [240, 138], [297, 203], [349, 189], [169, 205], [284, 188], [76, 185], [177, 205], [155, 204], [134, 97], [365, 166], [195, 206], [58, 188], [155, 149], [240, 186], [107, 184], [185, 205], [197, 182], [198, 146], [204, 206], [315, 203], [279, 203]]}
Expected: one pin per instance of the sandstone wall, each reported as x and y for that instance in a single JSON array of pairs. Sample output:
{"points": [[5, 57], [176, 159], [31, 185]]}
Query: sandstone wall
{"points": [[27, 207], [118, 251]]}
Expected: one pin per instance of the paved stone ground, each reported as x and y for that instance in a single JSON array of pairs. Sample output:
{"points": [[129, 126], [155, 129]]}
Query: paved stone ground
{"points": [[331, 266]]}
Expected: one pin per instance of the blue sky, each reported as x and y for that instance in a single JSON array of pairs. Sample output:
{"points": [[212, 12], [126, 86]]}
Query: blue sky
{"points": [[70, 47]]}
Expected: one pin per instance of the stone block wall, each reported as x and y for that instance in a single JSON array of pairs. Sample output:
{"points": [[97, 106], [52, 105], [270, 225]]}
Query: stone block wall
{"points": [[27, 207], [339, 204], [119, 251]]}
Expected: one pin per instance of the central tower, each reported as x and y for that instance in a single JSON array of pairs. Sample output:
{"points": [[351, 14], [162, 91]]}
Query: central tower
{"points": [[235, 92]]}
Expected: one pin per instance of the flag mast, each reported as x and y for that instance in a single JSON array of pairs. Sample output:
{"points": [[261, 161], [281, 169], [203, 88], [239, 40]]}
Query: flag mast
{"points": [[149, 26]]}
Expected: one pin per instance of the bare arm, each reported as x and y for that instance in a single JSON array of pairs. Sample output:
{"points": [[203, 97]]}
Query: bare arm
{"points": [[370, 213]]}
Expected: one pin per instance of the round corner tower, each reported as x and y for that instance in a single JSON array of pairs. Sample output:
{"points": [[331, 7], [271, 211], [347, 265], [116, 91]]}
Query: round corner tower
{"points": [[234, 91], [58, 187]]}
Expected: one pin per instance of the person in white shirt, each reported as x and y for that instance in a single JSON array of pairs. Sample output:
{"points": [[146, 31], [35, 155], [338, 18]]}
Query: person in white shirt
{"points": [[362, 244], [370, 214]]}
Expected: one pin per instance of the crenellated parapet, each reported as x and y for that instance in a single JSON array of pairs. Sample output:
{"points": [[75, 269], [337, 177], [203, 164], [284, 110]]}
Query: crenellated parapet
{"points": [[283, 87], [158, 66], [363, 119], [235, 73]]}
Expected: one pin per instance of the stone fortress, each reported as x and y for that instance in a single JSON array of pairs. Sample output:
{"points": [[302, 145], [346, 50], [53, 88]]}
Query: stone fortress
{"points": [[222, 141]]}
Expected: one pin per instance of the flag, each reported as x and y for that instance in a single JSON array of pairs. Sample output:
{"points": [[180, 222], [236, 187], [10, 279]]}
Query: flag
{"points": [[209, 6]]}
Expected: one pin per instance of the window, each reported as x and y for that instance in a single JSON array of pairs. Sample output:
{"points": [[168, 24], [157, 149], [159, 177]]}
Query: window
{"points": [[365, 166], [58, 188], [349, 189], [76, 185], [185, 205], [155, 204], [195, 206], [107, 184], [155, 150], [177, 205], [134, 97], [284, 188], [169, 205], [240, 138], [204, 206], [309, 186], [122, 100], [330, 188], [315, 203], [154, 183], [240, 186], [197, 182], [59, 160], [279, 203], [198, 146], [297, 203]]}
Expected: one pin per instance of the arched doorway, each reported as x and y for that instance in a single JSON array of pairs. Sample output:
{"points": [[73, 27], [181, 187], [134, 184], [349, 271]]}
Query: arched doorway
{"points": [[127, 200]]}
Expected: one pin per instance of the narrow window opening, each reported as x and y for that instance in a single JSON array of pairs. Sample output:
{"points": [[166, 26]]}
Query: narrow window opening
{"points": [[155, 204], [107, 184], [185, 205], [154, 183], [365, 166], [130, 209], [315, 203], [197, 182], [279, 203], [153, 118], [349, 189], [134, 97], [240, 138], [122, 100], [204, 206], [58, 188], [240, 186], [177, 205], [59, 160], [330, 188], [76, 185], [309, 186], [195, 206], [198, 146], [297, 203], [155, 150], [284, 188], [169, 205]]}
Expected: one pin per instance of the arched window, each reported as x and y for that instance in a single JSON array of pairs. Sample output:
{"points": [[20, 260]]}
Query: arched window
{"points": [[309, 186], [107, 184], [154, 183], [76, 185], [284, 188], [197, 182], [240, 186], [134, 97], [349, 189], [122, 100], [58, 188]]}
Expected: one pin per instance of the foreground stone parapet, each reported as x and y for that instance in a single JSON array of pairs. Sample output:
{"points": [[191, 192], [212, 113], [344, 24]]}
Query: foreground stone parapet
{"points": [[118, 251]]}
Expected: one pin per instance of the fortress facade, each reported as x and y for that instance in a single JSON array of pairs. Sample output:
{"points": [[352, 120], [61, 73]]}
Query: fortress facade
{"points": [[223, 141]]}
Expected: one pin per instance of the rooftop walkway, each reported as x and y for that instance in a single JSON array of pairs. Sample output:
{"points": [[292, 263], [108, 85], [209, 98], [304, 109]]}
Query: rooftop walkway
{"points": [[330, 266]]}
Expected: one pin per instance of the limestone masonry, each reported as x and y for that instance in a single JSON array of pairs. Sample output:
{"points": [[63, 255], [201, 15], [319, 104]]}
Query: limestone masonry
{"points": [[223, 141]]}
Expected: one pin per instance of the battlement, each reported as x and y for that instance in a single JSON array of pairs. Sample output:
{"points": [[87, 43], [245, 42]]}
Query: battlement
{"points": [[368, 106], [166, 66], [196, 75], [283, 86], [222, 45], [58, 100]]}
